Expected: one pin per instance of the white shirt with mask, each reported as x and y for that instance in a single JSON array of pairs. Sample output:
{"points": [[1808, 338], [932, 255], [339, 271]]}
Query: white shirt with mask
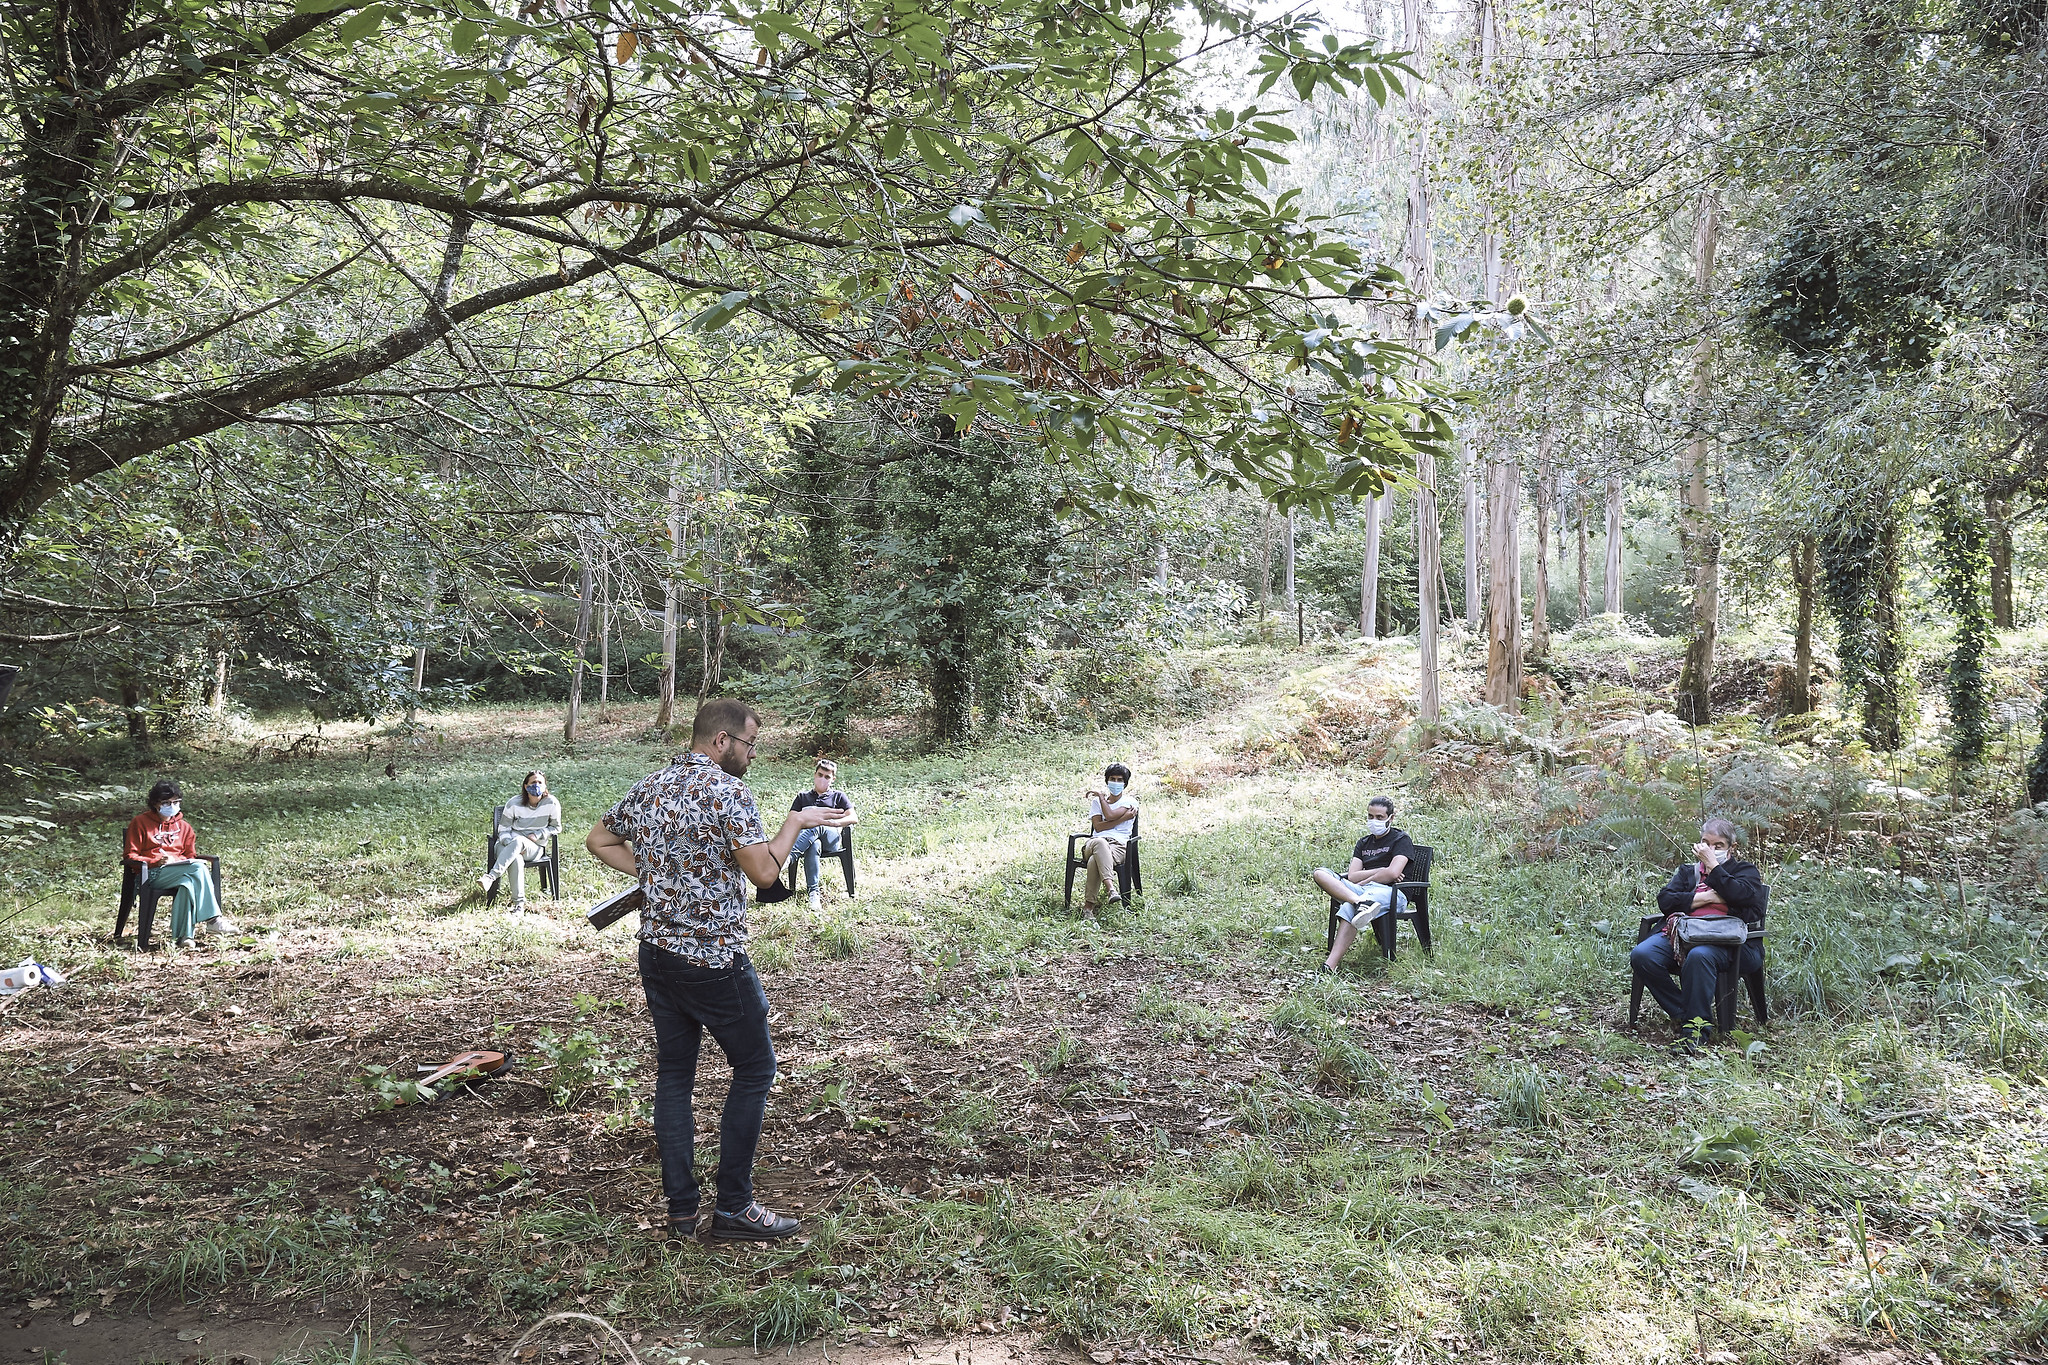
{"points": [[1127, 802]]}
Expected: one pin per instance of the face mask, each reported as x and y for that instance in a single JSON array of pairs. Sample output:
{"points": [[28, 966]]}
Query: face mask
{"points": [[534, 789], [1375, 827], [1114, 788], [169, 810], [1717, 856]]}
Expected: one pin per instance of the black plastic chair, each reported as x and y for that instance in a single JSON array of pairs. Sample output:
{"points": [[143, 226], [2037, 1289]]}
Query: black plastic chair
{"points": [[549, 865], [1726, 984], [1130, 881], [844, 855], [1415, 894], [139, 897]]}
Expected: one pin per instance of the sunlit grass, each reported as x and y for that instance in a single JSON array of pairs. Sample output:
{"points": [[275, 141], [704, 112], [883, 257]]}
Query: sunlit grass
{"points": [[1561, 1211]]}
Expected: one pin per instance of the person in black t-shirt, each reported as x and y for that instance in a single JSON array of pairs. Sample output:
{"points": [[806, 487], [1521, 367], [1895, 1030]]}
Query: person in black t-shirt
{"points": [[1366, 890], [813, 841]]}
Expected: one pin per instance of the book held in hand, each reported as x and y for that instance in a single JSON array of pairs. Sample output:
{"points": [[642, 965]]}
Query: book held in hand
{"points": [[614, 908]]}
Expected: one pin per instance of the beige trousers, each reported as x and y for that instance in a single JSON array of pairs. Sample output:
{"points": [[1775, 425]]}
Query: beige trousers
{"points": [[1105, 855]]}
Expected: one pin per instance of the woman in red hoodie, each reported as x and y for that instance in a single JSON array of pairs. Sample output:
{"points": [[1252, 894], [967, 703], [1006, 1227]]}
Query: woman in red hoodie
{"points": [[162, 840]]}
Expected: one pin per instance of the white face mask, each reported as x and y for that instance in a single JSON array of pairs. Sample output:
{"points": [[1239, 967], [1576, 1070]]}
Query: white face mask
{"points": [[169, 810], [1716, 856], [1114, 788], [1376, 827]]}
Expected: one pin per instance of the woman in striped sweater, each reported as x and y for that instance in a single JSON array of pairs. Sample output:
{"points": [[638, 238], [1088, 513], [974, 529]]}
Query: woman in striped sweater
{"points": [[517, 829]]}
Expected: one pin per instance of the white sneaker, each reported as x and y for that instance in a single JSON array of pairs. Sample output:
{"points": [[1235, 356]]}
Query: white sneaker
{"points": [[187, 943], [516, 908], [485, 883], [219, 924], [817, 901]]}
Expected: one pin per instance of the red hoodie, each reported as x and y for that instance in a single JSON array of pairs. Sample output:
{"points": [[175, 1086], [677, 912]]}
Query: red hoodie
{"points": [[153, 839]]}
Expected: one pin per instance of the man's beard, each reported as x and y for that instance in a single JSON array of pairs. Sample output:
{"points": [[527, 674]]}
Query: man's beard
{"points": [[734, 764]]}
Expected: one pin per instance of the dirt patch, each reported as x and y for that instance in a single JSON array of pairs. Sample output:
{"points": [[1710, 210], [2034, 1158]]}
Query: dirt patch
{"points": [[227, 1336]]}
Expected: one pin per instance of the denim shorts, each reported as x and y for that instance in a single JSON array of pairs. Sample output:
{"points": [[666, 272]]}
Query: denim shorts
{"points": [[1378, 899]]}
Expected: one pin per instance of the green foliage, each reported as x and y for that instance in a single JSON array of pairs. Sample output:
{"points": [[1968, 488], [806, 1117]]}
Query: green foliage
{"points": [[581, 1067], [1864, 293], [388, 1089]]}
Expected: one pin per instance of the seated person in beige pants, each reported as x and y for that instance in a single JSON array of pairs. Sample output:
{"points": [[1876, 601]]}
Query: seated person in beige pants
{"points": [[1112, 817]]}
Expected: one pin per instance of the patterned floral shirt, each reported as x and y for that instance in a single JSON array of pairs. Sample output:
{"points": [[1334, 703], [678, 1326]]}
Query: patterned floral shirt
{"points": [[684, 824]]}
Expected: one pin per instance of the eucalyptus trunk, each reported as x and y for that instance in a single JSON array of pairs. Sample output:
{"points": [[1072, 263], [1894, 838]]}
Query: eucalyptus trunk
{"points": [[1369, 569], [1504, 584], [1610, 586], [1579, 516], [1428, 574], [1699, 538], [585, 589], [1539, 605], [665, 715]]}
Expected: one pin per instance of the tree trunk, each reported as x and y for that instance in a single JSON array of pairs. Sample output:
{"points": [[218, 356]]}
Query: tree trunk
{"points": [[1265, 558], [665, 716], [1539, 605], [1887, 707], [419, 654], [1579, 515], [1798, 698], [2000, 546], [1698, 538], [1369, 570], [218, 702], [1610, 588], [584, 590], [1287, 562], [1428, 574], [1468, 489], [131, 702], [716, 668], [604, 655], [1503, 585]]}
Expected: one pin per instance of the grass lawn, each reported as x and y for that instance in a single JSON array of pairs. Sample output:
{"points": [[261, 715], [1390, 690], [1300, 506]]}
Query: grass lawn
{"points": [[1156, 1137]]}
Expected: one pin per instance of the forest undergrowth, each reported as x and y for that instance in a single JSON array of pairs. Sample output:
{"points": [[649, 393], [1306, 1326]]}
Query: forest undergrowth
{"points": [[1154, 1134]]}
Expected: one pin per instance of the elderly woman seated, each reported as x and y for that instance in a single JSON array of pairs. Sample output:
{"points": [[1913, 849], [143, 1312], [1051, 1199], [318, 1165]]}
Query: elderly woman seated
{"points": [[1715, 885]]}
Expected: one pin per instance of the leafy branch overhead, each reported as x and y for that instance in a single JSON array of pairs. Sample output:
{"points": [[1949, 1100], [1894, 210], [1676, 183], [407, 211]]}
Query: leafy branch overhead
{"points": [[1010, 212]]}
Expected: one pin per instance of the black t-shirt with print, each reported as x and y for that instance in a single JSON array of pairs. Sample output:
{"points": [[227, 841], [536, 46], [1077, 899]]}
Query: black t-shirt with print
{"points": [[832, 800], [1375, 851]]}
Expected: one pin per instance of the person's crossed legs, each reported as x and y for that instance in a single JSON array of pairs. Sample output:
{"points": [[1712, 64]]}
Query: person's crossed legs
{"points": [[1359, 904]]}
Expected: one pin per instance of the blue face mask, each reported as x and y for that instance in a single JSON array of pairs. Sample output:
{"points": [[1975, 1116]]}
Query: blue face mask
{"points": [[1114, 788], [169, 810], [534, 789]]}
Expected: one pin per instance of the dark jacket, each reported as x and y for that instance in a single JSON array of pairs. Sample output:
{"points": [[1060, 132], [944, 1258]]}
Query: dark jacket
{"points": [[1739, 883]]}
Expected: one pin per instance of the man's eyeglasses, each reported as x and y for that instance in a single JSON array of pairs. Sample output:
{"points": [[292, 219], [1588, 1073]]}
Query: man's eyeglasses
{"points": [[750, 743]]}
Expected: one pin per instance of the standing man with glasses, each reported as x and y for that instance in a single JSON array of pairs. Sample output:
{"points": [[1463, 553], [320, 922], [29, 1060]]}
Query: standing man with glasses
{"points": [[693, 836]]}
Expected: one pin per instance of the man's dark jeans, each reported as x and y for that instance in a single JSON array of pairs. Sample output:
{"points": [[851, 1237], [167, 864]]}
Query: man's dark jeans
{"points": [[1692, 995], [687, 1001]]}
